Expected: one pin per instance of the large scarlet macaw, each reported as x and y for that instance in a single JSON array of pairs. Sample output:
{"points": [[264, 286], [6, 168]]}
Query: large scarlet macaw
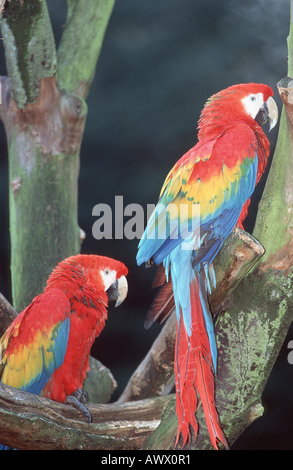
{"points": [[46, 348], [204, 196]]}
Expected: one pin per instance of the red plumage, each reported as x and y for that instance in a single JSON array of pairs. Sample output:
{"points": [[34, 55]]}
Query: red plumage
{"points": [[84, 288], [46, 348], [194, 373]]}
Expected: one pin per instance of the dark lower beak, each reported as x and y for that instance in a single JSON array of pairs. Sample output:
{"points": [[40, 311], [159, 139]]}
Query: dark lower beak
{"points": [[262, 116], [268, 113], [117, 292]]}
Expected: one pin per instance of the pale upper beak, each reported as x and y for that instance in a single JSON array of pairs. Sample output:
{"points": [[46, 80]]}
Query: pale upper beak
{"points": [[118, 291], [268, 113], [273, 112]]}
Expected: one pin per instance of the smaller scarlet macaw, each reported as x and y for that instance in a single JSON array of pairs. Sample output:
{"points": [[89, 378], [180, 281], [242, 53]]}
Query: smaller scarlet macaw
{"points": [[204, 196], [46, 348]]}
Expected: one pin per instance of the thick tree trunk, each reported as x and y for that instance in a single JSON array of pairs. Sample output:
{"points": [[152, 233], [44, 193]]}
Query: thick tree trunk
{"points": [[43, 144], [44, 121]]}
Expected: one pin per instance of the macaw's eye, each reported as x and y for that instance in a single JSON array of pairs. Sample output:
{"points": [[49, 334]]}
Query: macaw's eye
{"points": [[107, 272], [252, 98]]}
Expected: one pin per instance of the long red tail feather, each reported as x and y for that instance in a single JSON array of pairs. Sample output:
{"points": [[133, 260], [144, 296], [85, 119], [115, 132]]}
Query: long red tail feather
{"points": [[194, 374]]}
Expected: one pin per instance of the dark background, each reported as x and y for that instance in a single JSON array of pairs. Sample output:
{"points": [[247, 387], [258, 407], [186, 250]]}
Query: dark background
{"points": [[160, 61]]}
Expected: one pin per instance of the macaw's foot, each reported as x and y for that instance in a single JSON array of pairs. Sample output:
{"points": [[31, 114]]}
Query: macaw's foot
{"points": [[80, 395], [77, 399]]}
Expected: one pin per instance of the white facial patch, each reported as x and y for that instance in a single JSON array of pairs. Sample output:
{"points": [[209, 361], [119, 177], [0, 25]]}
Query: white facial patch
{"points": [[252, 103], [108, 276]]}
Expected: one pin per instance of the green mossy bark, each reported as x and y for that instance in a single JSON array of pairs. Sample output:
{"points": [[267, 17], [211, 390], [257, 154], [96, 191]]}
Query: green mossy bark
{"points": [[77, 58], [29, 48], [43, 216], [99, 383], [274, 222], [250, 334]]}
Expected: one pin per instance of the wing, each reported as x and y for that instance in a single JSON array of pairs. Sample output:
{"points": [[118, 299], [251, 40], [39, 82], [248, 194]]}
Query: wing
{"points": [[35, 343], [163, 303], [203, 195]]}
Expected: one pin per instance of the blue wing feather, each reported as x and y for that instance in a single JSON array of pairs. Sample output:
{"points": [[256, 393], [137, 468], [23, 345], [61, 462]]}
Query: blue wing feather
{"points": [[213, 227], [35, 343], [59, 347]]}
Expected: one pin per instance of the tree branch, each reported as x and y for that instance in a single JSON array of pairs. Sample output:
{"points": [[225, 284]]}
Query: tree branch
{"points": [[274, 222], [7, 314], [2, 4], [32, 422], [29, 48], [81, 43], [99, 383]]}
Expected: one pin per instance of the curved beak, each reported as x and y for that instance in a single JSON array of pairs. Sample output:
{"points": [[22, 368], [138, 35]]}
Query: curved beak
{"points": [[268, 113], [118, 291]]}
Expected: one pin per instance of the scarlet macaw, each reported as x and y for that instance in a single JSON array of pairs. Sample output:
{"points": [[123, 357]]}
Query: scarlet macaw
{"points": [[46, 348], [204, 196]]}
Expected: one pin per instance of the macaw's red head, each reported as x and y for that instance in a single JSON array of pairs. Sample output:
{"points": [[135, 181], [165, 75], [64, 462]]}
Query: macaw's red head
{"points": [[247, 102], [97, 277]]}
